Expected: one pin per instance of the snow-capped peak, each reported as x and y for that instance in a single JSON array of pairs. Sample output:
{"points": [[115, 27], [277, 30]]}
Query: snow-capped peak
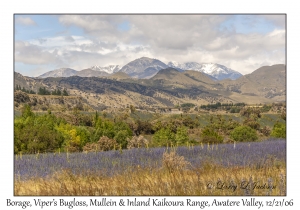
{"points": [[108, 69], [213, 69]]}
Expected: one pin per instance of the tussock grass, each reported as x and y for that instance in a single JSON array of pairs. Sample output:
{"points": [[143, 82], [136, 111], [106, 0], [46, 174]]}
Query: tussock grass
{"points": [[176, 177]]}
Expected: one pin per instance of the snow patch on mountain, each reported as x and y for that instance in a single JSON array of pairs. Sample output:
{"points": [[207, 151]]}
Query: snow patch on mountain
{"points": [[108, 69], [215, 70]]}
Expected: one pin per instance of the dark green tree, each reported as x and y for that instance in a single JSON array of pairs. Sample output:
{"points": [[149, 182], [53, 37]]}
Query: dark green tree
{"points": [[243, 134], [65, 93]]}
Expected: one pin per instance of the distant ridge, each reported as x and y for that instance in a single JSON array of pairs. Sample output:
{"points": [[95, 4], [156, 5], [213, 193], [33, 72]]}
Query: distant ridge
{"points": [[90, 73], [62, 72], [146, 68], [119, 76]]}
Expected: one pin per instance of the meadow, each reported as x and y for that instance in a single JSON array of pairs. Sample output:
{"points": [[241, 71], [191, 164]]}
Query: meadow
{"points": [[245, 168]]}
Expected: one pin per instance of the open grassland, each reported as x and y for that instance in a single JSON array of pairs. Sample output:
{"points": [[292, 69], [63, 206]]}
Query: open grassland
{"points": [[256, 168]]}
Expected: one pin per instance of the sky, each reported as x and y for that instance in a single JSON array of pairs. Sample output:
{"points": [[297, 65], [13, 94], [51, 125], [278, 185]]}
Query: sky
{"points": [[241, 42]]}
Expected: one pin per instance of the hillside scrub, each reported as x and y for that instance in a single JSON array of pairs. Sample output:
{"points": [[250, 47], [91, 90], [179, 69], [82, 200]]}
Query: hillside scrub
{"points": [[77, 131]]}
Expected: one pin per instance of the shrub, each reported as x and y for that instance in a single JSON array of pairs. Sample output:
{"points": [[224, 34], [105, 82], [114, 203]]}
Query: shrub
{"points": [[136, 142], [252, 123], [106, 143], [279, 130], [164, 137], [265, 131], [248, 111], [121, 138], [210, 136], [91, 147], [173, 162], [21, 97], [181, 135], [243, 133], [142, 127]]}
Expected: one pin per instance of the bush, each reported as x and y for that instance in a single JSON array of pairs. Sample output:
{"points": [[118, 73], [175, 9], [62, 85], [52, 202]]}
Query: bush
{"points": [[210, 136], [181, 135], [265, 131], [136, 142], [252, 123], [121, 138], [244, 133], [164, 137], [106, 143], [279, 130], [173, 162]]}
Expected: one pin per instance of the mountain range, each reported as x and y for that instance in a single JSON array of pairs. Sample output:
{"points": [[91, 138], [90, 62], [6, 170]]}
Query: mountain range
{"points": [[167, 88], [145, 68]]}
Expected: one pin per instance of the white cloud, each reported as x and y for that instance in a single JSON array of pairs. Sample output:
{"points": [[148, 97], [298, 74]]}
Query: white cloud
{"points": [[166, 37], [31, 54], [25, 21]]}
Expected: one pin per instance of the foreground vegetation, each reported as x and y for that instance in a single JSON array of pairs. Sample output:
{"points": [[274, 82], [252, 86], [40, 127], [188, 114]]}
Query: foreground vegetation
{"points": [[225, 169], [160, 182], [137, 153]]}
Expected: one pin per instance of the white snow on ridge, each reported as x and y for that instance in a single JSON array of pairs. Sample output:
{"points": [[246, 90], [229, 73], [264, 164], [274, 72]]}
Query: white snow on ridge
{"points": [[108, 69], [213, 69]]}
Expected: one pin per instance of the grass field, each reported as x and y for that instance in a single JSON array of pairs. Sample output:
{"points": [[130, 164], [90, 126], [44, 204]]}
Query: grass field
{"points": [[256, 168]]}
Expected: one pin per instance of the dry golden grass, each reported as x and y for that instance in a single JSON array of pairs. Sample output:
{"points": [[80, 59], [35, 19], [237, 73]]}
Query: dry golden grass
{"points": [[172, 179]]}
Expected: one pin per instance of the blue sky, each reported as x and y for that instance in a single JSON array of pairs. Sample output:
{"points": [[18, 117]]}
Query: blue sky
{"points": [[42, 26], [246, 24], [241, 42]]}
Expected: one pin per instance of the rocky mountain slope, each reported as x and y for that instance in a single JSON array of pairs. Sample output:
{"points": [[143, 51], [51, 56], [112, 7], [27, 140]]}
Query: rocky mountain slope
{"points": [[169, 87], [90, 73], [62, 72], [267, 81], [143, 67]]}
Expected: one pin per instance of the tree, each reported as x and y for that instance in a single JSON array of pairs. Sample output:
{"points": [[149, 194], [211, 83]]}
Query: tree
{"points": [[279, 130], [244, 133], [121, 138], [43, 91], [65, 93], [143, 127], [209, 135], [54, 92], [164, 137], [252, 123], [58, 92], [181, 135], [95, 118], [26, 111]]}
